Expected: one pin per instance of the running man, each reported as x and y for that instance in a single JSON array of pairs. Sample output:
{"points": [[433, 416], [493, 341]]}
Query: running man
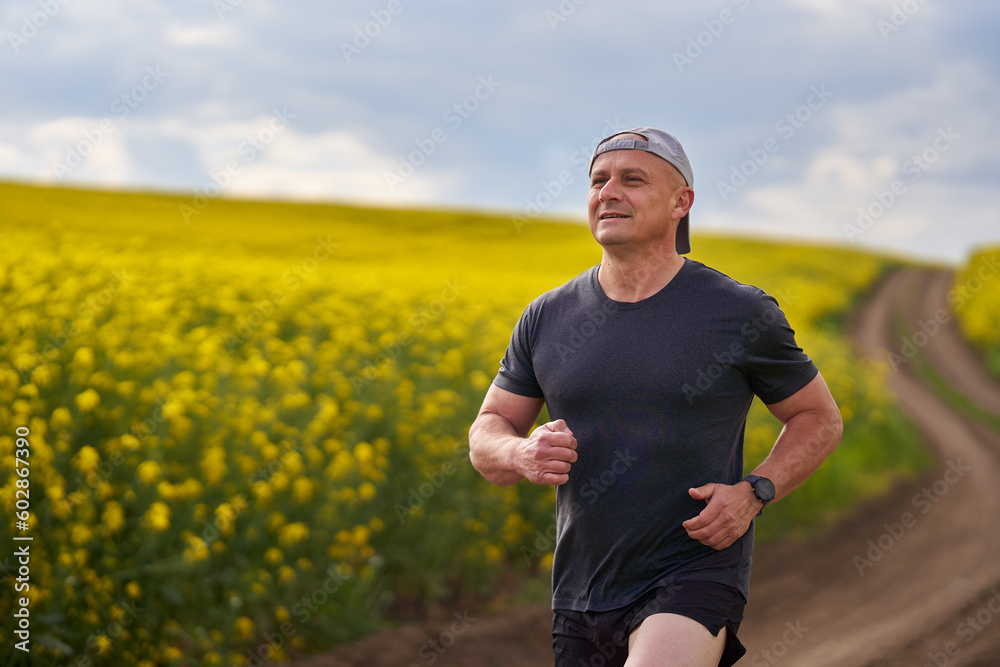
{"points": [[648, 364]]}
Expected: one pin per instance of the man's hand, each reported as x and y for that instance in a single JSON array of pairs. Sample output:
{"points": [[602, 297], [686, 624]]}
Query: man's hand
{"points": [[544, 457], [726, 517]]}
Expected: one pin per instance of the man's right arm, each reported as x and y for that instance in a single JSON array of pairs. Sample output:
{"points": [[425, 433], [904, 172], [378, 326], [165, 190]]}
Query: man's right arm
{"points": [[504, 453]]}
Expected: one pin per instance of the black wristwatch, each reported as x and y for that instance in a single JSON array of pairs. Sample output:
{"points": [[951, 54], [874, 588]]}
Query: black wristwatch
{"points": [[763, 489]]}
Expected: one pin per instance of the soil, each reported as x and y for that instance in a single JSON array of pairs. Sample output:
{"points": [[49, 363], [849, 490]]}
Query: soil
{"points": [[910, 579]]}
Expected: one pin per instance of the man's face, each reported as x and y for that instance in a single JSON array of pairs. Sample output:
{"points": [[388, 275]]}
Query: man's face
{"points": [[634, 197]]}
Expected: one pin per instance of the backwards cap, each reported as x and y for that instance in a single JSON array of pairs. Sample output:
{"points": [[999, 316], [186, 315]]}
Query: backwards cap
{"points": [[662, 145]]}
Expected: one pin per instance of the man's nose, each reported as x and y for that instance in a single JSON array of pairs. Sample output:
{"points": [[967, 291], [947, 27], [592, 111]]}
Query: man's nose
{"points": [[610, 191]]}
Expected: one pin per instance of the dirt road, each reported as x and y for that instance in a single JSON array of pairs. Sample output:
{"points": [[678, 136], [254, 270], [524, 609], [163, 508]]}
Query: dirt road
{"points": [[911, 579]]}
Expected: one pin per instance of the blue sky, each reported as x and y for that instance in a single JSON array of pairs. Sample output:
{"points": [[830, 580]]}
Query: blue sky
{"points": [[798, 115]]}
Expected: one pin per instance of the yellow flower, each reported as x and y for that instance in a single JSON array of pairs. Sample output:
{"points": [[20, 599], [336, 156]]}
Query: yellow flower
{"points": [[364, 452], [245, 627], [102, 644], [286, 574], [133, 590], [274, 555], [130, 442], [302, 490], [366, 491], [213, 464], [80, 534], [281, 614], [360, 535], [157, 517], [87, 459], [88, 400], [197, 549], [173, 653], [148, 471], [60, 417], [292, 534]]}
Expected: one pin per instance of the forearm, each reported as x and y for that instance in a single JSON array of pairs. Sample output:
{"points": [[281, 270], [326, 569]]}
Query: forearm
{"points": [[805, 441], [492, 444]]}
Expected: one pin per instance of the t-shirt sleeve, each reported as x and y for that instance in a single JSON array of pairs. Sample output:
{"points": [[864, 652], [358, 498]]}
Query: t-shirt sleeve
{"points": [[775, 365], [517, 372]]}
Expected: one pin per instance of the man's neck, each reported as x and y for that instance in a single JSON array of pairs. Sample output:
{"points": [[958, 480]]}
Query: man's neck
{"points": [[634, 276]]}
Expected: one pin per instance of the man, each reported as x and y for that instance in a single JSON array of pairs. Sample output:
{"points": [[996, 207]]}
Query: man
{"points": [[648, 364]]}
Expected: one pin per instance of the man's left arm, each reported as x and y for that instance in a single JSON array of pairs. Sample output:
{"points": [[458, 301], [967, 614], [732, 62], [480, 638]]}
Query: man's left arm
{"points": [[812, 430]]}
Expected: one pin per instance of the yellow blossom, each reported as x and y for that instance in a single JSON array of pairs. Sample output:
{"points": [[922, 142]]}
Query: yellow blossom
{"points": [[302, 490], [87, 459], [245, 628], [87, 400], [157, 517], [148, 471], [101, 644], [366, 491], [292, 534]]}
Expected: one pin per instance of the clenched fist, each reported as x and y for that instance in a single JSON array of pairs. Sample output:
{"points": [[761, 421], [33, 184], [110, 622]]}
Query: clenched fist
{"points": [[545, 456]]}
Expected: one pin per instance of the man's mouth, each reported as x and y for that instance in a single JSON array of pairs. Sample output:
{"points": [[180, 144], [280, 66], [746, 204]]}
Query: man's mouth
{"points": [[612, 216]]}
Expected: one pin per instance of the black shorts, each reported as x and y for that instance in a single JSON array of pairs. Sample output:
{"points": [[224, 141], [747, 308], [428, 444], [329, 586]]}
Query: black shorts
{"points": [[600, 638]]}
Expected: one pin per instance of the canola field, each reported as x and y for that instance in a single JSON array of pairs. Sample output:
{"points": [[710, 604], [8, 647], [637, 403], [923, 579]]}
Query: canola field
{"points": [[975, 299], [245, 436]]}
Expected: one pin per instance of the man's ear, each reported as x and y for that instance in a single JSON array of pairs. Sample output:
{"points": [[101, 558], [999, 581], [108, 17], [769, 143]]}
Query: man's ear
{"points": [[683, 202]]}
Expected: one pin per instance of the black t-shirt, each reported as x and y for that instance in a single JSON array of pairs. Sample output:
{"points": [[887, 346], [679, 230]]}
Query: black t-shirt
{"points": [[656, 393]]}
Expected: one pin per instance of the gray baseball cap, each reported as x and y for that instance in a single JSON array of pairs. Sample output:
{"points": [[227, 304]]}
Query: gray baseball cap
{"points": [[663, 145]]}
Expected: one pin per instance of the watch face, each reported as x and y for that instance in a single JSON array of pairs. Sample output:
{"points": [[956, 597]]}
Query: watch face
{"points": [[764, 489]]}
